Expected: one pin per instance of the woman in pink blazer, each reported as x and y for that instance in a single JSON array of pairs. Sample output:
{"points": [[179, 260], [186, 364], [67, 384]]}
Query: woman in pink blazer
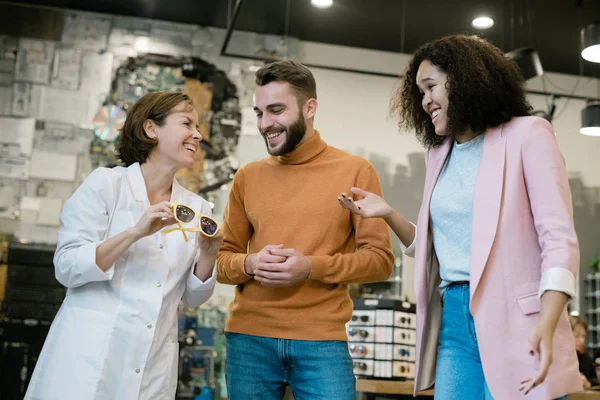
{"points": [[495, 248]]}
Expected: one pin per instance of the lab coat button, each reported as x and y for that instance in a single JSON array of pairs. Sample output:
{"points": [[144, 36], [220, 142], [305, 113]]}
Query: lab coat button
{"points": [[137, 370]]}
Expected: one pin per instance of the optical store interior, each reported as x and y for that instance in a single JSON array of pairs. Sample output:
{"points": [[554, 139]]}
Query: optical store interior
{"points": [[71, 72]]}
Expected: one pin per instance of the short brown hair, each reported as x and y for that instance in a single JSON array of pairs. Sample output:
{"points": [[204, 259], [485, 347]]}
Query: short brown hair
{"points": [[578, 321], [134, 145], [485, 88], [297, 75]]}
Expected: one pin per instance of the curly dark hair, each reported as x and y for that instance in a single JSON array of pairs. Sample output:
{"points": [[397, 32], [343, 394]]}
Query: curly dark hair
{"points": [[485, 88]]}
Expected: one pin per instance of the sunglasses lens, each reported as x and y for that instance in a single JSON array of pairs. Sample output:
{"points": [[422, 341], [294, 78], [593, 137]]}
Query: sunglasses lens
{"points": [[184, 214], [208, 226]]}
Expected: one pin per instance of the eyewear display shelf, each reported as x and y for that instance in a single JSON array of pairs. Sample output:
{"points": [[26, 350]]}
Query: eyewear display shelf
{"points": [[590, 307], [382, 339]]}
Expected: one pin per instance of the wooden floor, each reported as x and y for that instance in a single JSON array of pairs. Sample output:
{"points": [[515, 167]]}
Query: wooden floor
{"points": [[388, 387], [377, 386], [406, 388]]}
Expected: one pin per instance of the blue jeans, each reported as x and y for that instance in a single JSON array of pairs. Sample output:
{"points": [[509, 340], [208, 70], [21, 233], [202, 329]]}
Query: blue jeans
{"points": [[259, 368], [459, 374]]}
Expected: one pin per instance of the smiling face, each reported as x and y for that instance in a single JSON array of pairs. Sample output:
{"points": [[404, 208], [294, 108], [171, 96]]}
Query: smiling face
{"points": [[432, 85], [280, 119], [178, 138]]}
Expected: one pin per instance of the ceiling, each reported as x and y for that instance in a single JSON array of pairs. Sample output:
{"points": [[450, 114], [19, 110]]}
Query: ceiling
{"points": [[552, 27]]}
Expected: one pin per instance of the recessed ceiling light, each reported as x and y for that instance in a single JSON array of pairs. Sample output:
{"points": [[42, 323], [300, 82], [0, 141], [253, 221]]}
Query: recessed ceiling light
{"points": [[322, 3], [483, 22]]}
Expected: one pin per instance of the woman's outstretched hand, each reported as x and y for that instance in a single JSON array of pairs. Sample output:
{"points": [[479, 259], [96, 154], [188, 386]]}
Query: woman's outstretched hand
{"points": [[369, 206]]}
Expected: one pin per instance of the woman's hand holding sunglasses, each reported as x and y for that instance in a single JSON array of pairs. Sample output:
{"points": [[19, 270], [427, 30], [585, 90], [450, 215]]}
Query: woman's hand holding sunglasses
{"points": [[209, 245], [155, 218], [184, 216]]}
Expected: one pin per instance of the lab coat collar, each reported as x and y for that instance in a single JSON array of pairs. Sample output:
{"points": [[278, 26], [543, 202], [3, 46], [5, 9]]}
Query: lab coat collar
{"points": [[138, 186]]}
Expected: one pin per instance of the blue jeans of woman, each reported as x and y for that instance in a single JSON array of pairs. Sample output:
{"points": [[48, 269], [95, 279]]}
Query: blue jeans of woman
{"points": [[459, 374]]}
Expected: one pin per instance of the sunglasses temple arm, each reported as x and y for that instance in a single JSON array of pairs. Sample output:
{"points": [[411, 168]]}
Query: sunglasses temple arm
{"points": [[180, 228], [182, 231]]}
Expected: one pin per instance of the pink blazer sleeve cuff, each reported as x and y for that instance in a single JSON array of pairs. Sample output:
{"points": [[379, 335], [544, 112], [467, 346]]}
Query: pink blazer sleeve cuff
{"points": [[410, 250], [559, 279]]}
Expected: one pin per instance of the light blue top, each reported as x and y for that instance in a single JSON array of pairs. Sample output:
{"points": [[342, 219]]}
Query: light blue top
{"points": [[451, 210]]}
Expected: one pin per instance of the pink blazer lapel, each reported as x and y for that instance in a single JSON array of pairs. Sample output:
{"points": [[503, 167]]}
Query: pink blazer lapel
{"points": [[436, 159], [486, 201]]}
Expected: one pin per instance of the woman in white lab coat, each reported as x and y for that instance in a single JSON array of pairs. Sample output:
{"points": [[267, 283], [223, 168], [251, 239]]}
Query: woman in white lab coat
{"points": [[115, 336]]}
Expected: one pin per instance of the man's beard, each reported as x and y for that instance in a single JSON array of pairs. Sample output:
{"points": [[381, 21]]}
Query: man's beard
{"points": [[293, 136]]}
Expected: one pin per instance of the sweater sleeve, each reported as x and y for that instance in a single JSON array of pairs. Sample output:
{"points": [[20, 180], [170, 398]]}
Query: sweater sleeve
{"points": [[237, 230], [373, 259]]}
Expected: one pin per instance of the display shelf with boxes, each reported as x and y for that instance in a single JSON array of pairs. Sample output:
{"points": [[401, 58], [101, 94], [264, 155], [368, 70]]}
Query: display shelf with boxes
{"points": [[30, 297], [590, 305], [382, 338]]}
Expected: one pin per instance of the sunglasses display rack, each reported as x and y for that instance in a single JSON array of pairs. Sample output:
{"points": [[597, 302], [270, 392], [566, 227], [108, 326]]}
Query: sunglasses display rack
{"points": [[382, 338], [201, 352], [30, 297], [590, 305]]}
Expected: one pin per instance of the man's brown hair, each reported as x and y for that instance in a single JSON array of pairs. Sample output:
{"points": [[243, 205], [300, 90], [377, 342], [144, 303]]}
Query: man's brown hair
{"points": [[295, 74]]}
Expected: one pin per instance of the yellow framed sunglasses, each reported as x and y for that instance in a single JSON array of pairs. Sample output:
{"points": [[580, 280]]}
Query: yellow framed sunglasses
{"points": [[184, 215]]}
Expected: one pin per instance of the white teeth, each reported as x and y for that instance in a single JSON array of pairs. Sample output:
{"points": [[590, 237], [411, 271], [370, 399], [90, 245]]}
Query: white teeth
{"points": [[189, 147], [435, 114], [272, 135]]}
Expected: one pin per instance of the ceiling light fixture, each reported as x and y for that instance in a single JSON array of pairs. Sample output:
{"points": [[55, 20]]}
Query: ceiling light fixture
{"points": [[142, 44], [482, 22], [322, 3], [590, 120], [590, 42]]}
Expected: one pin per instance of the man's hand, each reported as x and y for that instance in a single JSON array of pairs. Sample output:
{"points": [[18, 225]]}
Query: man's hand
{"points": [[295, 269], [263, 256]]}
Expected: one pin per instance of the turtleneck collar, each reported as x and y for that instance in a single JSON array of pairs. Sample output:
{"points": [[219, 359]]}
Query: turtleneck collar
{"points": [[304, 152]]}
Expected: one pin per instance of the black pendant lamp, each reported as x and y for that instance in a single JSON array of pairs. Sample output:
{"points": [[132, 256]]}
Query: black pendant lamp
{"points": [[590, 120]]}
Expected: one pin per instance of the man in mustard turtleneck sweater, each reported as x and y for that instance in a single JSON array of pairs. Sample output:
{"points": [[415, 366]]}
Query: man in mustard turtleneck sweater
{"points": [[291, 251]]}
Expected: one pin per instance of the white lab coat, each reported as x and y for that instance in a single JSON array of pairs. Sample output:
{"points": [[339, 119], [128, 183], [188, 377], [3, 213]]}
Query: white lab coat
{"points": [[115, 335]]}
